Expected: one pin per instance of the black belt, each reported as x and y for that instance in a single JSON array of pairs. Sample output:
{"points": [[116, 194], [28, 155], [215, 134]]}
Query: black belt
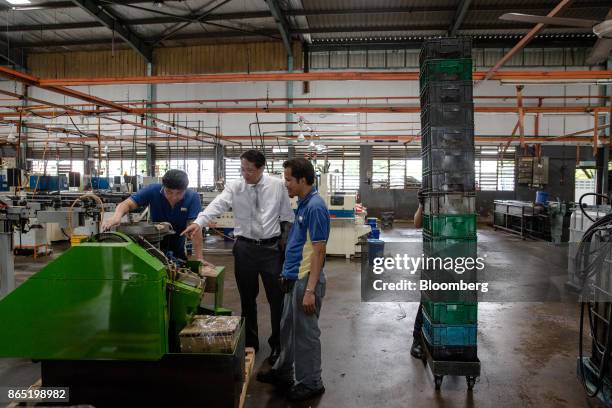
{"points": [[258, 241]]}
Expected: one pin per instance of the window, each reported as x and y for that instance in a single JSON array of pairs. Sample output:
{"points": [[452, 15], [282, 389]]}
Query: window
{"points": [[347, 174], [380, 173], [397, 173], [54, 167], [48, 167], [494, 168], [396, 167], [189, 166], [274, 167], [79, 166], [232, 169], [414, 174], [207, 172]]}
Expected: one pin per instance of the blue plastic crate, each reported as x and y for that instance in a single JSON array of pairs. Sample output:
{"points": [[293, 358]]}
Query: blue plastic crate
{"points": [[449, 334], [453, 353]]}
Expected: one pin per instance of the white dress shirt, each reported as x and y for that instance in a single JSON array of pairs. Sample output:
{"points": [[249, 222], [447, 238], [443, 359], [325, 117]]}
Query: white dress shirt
{"points": [[258, 208]]}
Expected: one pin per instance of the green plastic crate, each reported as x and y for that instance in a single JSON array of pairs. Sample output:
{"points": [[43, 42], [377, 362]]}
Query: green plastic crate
{"points": [[450, 225], [452, 313], [449, 247], [459, 69]]}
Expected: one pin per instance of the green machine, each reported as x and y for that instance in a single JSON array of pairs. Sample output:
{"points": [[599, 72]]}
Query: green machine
{"points": [[107, 313]]}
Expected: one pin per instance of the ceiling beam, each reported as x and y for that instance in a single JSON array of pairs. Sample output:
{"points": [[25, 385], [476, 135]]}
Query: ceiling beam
{"points": [[282, 24], [459, 17], [107, 18], [418, 8], [504, 41]]}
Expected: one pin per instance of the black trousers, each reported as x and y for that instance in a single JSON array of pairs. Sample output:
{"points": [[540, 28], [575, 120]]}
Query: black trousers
{"points": [[418, 323], [250, 262]]}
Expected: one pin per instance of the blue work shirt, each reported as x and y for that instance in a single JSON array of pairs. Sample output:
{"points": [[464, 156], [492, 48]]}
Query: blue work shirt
{"points": [[312, 224], [185, 210]]}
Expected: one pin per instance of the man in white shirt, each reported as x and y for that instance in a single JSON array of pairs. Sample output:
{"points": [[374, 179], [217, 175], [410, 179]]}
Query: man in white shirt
{"points": [[259, 203]]}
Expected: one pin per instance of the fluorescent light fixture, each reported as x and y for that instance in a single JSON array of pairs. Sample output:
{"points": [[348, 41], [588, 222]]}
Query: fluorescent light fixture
{"points": [[26, 8], [18, 2]]}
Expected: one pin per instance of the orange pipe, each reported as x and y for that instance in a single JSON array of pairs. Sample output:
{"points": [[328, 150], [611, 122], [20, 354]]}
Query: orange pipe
{"points": [[273, 100], [322, 109], [316, 76], [493, 139]]}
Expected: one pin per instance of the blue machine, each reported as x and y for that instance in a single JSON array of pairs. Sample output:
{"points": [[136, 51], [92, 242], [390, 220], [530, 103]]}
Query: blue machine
{"points": [[48, 183], [100, 183], [3, 183]]}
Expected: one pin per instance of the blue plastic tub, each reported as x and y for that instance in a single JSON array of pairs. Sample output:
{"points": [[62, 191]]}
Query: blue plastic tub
{"points": [[449, 334], [376, 249], [541, 197], [375, 234]]}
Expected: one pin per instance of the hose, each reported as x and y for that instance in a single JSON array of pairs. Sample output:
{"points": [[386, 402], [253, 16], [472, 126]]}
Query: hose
{"points": [[80, 199], [586, 269], [590, 194]]}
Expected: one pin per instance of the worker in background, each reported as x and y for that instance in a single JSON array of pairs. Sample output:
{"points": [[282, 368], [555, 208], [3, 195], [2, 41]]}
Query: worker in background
{"points": [[303, 282], [170, 202], [260, 204], [417, 349]]}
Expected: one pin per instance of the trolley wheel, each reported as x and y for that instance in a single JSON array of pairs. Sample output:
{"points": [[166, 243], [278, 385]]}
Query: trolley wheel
{"points": [[470, 382], [438, 381]]}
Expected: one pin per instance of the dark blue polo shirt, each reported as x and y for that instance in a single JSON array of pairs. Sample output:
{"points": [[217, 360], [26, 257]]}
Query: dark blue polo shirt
{"points": [[185, 210], [312, 224]]}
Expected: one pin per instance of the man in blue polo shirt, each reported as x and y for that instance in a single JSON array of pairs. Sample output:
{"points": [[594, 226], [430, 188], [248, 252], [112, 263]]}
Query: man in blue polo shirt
{"points": [[303, 282], [170, 202]]}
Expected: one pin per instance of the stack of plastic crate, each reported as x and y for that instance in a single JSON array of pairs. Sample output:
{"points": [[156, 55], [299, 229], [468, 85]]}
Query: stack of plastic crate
{"points": [[449, 218]]}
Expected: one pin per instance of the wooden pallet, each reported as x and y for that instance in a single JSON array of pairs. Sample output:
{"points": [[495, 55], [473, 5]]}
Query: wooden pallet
{"points": [[249, 362]]}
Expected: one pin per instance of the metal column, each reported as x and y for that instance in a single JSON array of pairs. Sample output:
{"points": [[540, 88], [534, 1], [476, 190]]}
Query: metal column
{"points": [[7, 266]]}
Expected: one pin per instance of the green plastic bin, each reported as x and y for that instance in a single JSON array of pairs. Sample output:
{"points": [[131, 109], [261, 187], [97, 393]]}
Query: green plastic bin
{"points": [[452, 313], [450, 225], [459, 69]]}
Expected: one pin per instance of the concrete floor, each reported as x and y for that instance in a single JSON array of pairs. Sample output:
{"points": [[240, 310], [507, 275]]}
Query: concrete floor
{"points": [[528, 350]]}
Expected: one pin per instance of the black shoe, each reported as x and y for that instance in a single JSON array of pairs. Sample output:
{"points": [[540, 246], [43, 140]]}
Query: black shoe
{"points": [[416, 350], [273, 356], [273, 377], [301, 392]]}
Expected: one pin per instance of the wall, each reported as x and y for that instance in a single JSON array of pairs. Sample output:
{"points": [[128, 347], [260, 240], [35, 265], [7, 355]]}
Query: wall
{"points": [[562, 162], [200, 59], [402, 202]]}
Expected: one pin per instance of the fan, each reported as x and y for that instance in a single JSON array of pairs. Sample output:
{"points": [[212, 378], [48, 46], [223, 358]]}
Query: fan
{"points": [[602, 29]]}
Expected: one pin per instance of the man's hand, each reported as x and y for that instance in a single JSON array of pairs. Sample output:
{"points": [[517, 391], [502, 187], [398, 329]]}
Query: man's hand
{"points": [[421, 196], [308, 304], [191, 230], [111, 222]]}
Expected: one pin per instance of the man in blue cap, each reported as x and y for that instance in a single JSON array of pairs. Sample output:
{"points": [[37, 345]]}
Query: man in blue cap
{"points": [[169, 202]]}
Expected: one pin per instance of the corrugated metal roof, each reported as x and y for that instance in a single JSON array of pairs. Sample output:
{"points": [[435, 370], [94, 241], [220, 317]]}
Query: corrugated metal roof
{"points": [[433, 17]]}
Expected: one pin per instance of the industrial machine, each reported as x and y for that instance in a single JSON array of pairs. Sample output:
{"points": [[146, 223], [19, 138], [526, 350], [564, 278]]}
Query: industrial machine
{"points": [[27, 218], [348, 223], [104, 320], [226, 220], [545, 221], [40, 182], [592, 275]]}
